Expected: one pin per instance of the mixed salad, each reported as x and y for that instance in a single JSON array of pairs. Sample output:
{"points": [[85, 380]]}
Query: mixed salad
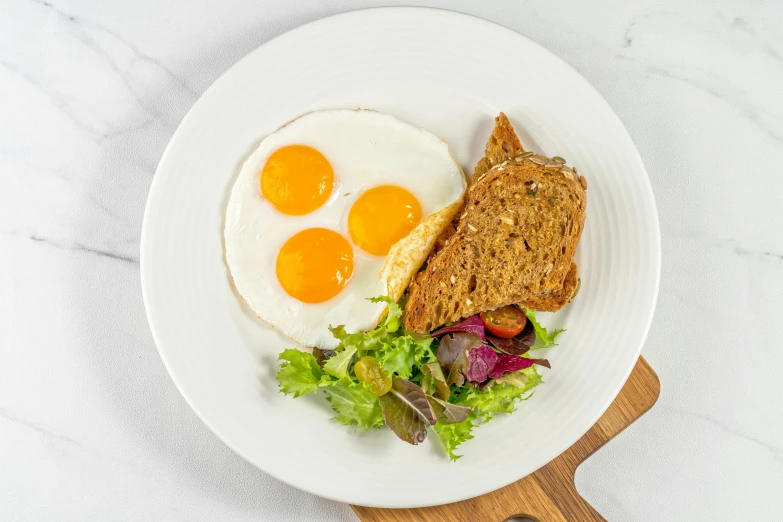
{"points": [[452, 380]]}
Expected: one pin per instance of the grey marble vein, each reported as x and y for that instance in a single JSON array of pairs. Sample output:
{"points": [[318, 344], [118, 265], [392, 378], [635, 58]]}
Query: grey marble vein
{"points": [[92, 123], [140, 55], [740, 24], [746, 252], [777, 451], [627, 39], [57, 99], [44, 432], [723, 91], [78, 247]]}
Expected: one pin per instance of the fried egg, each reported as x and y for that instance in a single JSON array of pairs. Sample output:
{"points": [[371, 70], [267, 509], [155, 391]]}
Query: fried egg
{"points": [[333, 208]]}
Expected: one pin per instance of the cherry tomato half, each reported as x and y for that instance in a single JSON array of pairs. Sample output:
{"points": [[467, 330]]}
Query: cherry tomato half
{"points": [[505, 322]]}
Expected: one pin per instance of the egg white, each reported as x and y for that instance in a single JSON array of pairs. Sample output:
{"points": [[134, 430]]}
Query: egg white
{"points": [[365, 149]]}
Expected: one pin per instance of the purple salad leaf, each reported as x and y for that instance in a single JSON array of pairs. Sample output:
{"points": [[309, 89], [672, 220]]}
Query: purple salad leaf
{"points": [[516, 345], [453, 345], [472, 324], [433, 378], [323, 355], [451, 413], [481, 361], [452, 354], [457, 373], [486, 385], [407, 411], [511, 346], [513, 363]]}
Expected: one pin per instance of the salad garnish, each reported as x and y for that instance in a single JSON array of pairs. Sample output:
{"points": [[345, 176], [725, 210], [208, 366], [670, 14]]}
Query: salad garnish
{"points": [[452, 381]]}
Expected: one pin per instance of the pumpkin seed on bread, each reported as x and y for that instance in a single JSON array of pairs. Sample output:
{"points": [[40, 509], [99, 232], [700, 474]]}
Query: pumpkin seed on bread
{"points": [[513, 244], [503, 144]]}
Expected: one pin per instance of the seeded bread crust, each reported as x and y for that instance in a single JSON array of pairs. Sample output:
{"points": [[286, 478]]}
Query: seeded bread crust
{"points": [[502, 145], [514, 243]]}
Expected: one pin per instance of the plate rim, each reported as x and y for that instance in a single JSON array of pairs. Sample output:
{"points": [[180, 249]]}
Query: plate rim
{"points": [[309, 26]]}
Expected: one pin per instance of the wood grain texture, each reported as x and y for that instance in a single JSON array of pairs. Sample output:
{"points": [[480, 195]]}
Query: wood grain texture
{"points": [[549, 494]]}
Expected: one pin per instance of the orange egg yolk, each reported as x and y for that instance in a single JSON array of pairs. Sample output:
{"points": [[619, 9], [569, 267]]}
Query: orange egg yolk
{"points": [[297, 179], [382, 216], [314, 265]]}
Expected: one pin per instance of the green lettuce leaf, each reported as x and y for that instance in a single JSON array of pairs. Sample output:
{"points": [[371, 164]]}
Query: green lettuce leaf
{"points": [[362, 341], [299, 372], [401, 354], [544, 339], [499, 398], [526, 379], [338, 364], [374, 339], [454, 434], [392, 320], [354, 404]]}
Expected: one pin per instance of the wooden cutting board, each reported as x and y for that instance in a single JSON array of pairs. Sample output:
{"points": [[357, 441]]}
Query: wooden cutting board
{"points": [[549, 494]]}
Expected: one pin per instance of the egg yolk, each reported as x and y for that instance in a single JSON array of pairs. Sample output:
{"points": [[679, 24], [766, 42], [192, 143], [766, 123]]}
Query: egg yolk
{"points": [[297, 179], [314, 265], [382, 216]]}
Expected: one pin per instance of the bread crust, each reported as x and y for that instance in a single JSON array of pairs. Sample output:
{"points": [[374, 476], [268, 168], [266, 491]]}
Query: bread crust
{"points": [[503, 144]]}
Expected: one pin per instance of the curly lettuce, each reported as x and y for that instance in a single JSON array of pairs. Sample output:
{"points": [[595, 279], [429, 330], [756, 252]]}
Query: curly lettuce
{"points": [[299, 373], [544, 338], [354, 404], [428, 375]]}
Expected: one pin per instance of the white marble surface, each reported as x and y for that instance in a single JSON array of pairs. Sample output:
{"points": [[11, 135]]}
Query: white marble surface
{"points": [[91, 426]]}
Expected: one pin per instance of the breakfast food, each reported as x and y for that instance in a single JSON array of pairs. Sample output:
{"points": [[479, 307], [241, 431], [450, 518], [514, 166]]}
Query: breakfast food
{"points": [[514, 244], [315, 216], [502, 144], [460, 352]]}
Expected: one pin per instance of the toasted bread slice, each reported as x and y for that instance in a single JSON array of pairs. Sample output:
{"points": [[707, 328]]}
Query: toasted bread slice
{"points": [[514, 243], [502, 145], [556, 300]]}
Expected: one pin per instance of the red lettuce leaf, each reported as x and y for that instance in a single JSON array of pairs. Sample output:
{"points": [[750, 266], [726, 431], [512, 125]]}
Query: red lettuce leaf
{"points": [[433, 378], [451, 413], [513, 346], [323, 355], [452, 354], [485, 385], [513, 363], [407, 411], [457, 373], [481, 361], [516, 345], [472, 324]]}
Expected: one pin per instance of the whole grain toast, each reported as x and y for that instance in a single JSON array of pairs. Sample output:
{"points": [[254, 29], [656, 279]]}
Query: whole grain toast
{"points": [[554, 301], [514, 242], [503, 144]]}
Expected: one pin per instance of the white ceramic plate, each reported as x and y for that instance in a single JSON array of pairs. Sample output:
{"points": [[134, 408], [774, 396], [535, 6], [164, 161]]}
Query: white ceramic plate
{"points": [[439, 70]]}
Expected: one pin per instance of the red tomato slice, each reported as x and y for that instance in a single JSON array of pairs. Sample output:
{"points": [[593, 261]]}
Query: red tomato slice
{"points": [[505, 322]]}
